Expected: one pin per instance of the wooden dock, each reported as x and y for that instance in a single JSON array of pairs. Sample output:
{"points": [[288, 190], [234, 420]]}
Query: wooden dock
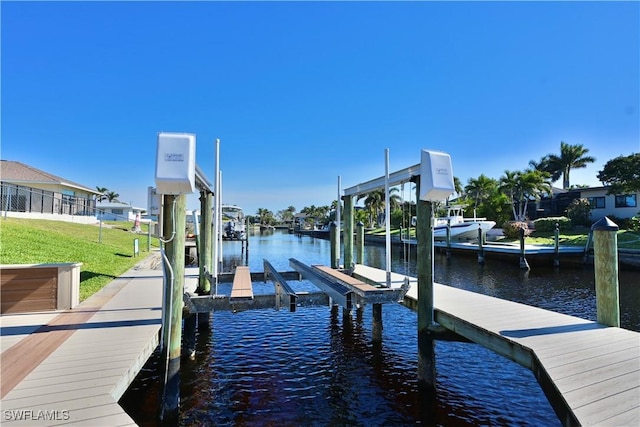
{"points": [[242, 290], [589, 372], [72, 367]]}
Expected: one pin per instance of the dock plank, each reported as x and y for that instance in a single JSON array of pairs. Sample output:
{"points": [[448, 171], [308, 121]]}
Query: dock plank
{"points": [[242, 289], [92, 353], [595, 369]]}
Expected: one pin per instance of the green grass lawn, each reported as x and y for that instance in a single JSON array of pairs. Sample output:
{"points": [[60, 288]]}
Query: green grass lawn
{"points": [[104, 255]]}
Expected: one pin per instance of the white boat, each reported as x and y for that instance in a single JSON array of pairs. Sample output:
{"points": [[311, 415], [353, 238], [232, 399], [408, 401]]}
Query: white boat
{"points": [[461, 228], [233, 223]]}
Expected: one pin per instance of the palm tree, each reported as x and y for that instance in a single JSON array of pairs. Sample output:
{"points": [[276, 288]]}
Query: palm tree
{"points": [[571, 157], [102, 191], [374, 202], [479, 188], [111, 196], [523, 187]]}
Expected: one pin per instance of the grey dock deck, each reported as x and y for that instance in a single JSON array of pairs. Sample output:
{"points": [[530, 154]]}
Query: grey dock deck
{"points": [[589, 372], [72, 367]]}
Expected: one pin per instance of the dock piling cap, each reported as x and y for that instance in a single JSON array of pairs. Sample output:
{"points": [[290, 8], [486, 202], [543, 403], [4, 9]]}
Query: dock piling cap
{"points": [[605, 224]]}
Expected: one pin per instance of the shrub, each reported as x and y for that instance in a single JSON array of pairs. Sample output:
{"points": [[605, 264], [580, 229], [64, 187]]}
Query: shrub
{"points": [[579, 212], [622, 223], [549, 224], [634, 223], [511, 229]]}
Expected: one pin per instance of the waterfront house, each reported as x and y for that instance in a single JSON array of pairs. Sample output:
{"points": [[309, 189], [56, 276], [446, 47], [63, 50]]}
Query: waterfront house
{"points": [[602, 204], [28, 192], [118, 211]]}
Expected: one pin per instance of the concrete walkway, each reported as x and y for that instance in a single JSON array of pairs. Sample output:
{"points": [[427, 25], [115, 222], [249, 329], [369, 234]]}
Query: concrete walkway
{"points": [[72, 367]]}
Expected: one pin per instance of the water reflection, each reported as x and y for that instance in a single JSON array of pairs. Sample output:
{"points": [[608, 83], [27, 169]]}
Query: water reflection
{"points": [[323, 367]]}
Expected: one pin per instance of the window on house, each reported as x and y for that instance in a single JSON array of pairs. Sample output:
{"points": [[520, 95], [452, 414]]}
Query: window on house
{"points": [[626, 201], [597, 202], [117, 211]]}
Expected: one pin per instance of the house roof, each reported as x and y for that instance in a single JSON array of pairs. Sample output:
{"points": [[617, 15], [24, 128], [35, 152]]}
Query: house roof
{"points": [[117, 205], [20, 173]]}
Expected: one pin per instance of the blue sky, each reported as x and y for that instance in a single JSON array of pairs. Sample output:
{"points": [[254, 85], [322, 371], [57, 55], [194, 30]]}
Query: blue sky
{"points": [[300, 93]]}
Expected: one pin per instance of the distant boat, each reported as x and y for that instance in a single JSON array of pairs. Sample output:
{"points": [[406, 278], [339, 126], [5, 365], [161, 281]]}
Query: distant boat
{"points": [[233, 223], [461, 228]]}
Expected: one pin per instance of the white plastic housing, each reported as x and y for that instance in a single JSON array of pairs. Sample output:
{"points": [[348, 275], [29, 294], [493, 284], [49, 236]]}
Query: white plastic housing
{"points": [[154, 201], [176, 163], [436, 176]]}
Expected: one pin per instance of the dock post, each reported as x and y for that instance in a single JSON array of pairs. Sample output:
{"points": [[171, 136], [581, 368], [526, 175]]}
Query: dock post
{"points": [[174, 224], [426, 350], [347, 237], [205, 258], [480, 246], [556, 256], [448, 238], [524, 265], [377, 323], [190, 326], [585, 257], [605, 258], [206, 242], [360, 243], [335, 250]]}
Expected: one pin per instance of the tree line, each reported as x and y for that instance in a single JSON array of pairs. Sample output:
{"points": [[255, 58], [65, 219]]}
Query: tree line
{"points": [[503, 199]]}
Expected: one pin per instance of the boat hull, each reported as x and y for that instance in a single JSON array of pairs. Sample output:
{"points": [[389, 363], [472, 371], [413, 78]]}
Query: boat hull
{"points": [[463, 231]]}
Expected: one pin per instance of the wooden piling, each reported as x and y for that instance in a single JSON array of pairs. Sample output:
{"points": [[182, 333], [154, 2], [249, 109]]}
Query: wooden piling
{"points": [[605, 258], [523, 260], [556, 254], [174, 218], [360, 243], [426, 350], [190, 326], [335, 250], [347, 237], [377, 322], [205, 257], [448, 238], [480, 246]]}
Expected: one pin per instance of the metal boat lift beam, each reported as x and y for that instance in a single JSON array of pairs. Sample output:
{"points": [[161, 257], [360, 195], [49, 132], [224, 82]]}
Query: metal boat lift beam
{"points": [[365, 293], [339, 293], [395, 178], [283, 290], [207, 303]]}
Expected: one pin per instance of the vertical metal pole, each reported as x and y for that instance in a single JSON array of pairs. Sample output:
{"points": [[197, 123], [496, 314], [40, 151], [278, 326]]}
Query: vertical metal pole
{"points": [[387, 217], [100, 231], [426, 350], [175, 253], [220, 258], [216, 218], [338, 218], [360, 243], [605, 259], [348, 231]]}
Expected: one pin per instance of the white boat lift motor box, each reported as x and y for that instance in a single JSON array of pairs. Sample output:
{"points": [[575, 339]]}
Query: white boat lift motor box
{"points": [[176, 163], [436, 176]]}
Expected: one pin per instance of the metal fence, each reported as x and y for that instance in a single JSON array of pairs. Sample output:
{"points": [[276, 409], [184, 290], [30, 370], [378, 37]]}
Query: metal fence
{"points": [[17, 198]]}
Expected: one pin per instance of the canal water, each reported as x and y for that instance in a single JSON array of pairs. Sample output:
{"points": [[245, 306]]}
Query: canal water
{"points": [[312, 368]]}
